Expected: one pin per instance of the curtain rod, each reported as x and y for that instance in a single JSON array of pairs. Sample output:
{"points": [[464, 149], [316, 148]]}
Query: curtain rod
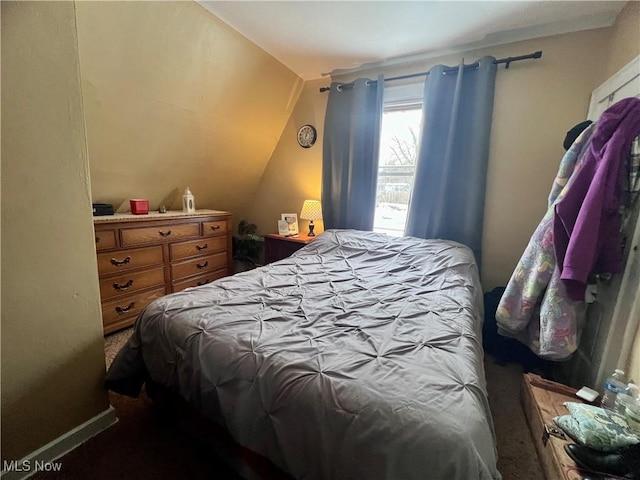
{"points": [[507, 61]]}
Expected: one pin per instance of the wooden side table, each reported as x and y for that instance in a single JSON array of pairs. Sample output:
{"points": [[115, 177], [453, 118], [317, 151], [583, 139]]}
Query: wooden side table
{"points": [[542, 400], [277, 247]]}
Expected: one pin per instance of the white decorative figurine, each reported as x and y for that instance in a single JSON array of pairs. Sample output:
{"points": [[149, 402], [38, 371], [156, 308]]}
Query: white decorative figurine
{"points": [[188, 202]]}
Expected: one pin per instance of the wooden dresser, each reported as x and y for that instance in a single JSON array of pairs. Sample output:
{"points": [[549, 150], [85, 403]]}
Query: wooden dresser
{"points": [[142, 257], [542, 400]]}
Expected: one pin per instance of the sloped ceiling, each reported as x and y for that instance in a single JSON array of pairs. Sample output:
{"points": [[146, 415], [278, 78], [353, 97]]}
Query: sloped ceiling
{"points": [[314, 38], [175, 98]]}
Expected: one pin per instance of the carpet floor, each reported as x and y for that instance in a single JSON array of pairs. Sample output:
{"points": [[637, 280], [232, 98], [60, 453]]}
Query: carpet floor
{"points": [[140, 447]]}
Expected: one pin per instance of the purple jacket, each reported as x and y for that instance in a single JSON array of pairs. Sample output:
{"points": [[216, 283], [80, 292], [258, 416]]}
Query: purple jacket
{"points": [[586, 226]]}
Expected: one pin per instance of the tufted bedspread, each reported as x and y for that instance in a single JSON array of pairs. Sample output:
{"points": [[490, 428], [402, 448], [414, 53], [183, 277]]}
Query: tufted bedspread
{"points": [[359, 357]]}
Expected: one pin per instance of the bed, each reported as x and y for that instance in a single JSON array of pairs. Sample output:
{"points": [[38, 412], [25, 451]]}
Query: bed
{"points": [[358, 357]]}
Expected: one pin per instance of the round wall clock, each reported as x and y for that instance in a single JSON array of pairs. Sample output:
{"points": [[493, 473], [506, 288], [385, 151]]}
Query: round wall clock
{"points": [[307, 136]]}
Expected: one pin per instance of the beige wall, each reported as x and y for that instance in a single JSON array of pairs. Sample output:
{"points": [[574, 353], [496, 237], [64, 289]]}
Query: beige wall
{"points": [[624, 43], [174, 98], [294, 173], [536, 102], [52, 347]]}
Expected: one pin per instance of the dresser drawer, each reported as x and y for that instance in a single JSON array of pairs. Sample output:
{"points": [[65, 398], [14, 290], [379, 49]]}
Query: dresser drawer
{"points": [[161, 233], [129, 259], [115, 312], [199, 280], [105, 240], [198, 266], [194, 248], [131, 282], [215, 227]]}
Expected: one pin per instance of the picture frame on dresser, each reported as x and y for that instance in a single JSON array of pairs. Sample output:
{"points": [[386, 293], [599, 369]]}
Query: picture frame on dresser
{"points": [[292, 220]]}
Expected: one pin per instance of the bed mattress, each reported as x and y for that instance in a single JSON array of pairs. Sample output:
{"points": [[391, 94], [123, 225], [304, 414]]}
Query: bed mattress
{"points": [[359, 357]]}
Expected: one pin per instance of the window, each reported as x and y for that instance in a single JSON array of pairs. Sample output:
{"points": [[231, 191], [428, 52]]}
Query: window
{"points": [[399, 136]]}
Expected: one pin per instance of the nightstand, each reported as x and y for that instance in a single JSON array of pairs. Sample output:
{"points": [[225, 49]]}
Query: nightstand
{"points": [[277, 247], [542, 400]]}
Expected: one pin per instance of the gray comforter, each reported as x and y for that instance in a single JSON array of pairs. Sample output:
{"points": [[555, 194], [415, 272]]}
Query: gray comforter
{"points": [[359, 357]]}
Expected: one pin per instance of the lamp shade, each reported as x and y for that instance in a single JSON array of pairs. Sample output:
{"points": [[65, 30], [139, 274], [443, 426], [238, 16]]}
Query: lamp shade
{"points": [[311, 210]]}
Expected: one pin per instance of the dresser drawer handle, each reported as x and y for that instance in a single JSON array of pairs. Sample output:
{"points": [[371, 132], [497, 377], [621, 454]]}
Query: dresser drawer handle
{"points": [[119, 263], [203, 282], [164, 234], [121, 310], [203, 265], [202, 247], [118, 286], [97, 239], [215, 227]]}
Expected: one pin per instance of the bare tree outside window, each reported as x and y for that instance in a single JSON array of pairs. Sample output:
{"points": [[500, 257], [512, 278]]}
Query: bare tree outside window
{"points": [[404, 151], [398, 153]]}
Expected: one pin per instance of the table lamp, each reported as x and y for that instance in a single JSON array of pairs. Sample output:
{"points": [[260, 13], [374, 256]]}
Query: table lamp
{"points": [[311, 210]]}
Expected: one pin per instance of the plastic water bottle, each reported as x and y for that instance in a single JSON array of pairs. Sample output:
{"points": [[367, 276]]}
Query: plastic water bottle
{"points": [[632, 414], [626, 397], [612, 386]]}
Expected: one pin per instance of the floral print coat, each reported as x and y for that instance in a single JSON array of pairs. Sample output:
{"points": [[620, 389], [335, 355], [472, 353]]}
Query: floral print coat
{"points": [[535, 307]]}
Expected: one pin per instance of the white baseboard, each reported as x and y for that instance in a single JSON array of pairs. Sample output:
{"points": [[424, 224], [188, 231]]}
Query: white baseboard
{"points": [[43, 458]]}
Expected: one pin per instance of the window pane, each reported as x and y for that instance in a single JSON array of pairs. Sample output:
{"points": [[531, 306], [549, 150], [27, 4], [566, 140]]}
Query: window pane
{"points": [[398, 150]]}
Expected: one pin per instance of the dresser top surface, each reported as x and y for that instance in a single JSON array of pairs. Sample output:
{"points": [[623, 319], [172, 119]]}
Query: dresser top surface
{"points": [[155, 215]]}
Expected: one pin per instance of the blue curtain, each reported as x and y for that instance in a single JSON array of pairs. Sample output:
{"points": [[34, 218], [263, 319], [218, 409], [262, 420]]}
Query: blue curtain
{"points": [[447, 200], [350, 154]]}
